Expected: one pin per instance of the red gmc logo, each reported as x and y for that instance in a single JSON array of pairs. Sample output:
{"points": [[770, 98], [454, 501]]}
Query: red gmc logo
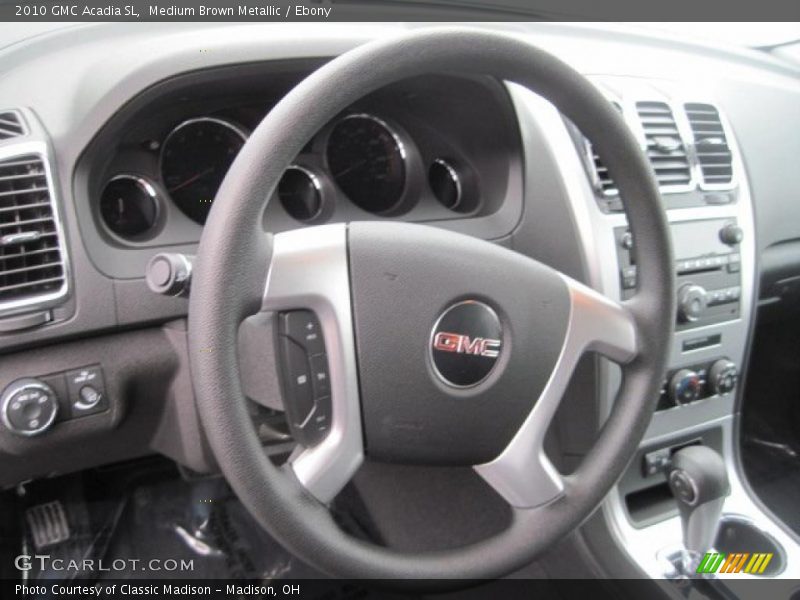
{"points": [[463, 344]]}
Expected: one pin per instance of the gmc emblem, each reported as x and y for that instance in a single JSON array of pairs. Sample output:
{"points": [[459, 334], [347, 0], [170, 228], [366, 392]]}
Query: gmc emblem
{"points": [[463, 344]]}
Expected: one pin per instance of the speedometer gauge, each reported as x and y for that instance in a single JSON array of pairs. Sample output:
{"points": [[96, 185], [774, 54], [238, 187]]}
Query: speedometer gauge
{"points": [[194, 160], [367, 161]]}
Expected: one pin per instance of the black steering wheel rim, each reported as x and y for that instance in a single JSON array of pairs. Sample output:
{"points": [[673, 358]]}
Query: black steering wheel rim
{"points": [[231, 270]]}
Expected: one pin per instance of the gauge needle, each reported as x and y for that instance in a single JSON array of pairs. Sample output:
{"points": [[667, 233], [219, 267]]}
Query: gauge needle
{"points": [[191, 179], [355, 165]]}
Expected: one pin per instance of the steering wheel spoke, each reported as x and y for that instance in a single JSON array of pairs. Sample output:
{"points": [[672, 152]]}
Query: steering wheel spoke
{"points": [[309, 271], [522, 473]]}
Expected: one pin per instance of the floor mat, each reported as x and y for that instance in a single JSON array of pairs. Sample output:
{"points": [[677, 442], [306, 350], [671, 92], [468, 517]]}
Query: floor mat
{"points": [[145, 521]]}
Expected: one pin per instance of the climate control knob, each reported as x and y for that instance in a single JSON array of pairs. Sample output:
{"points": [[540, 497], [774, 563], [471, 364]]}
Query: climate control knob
{"points": [[691, 302], [29, 407], [684, 387], [722, 376]]}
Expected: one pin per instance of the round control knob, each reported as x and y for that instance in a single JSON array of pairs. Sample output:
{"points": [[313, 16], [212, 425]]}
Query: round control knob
{"points": [[626, 241], [722, 376], [169, 274], [691, 302], [29, 407], [731, 234], [684, 387]]}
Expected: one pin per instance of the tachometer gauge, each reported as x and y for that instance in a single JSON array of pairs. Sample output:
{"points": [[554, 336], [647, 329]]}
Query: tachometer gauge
{"points": [[367, 161], [194, 160]]}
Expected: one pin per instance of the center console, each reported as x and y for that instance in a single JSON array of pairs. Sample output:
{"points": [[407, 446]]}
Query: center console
{"points": [[697, 164]]}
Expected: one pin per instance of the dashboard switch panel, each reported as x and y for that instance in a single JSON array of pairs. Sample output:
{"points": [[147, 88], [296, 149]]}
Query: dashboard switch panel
{"points": [[29, 407], [305, 376], [86, 391]]}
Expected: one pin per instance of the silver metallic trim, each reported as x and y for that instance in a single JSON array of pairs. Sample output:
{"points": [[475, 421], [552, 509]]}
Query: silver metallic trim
{"points": [[20, 120], [49, 299], [522, 473], [598, 249], [147, 186], [18, 386], [20, 238], [241, 132], [695, 159], [310, 270], [628, 103], [455, 178], [314, 179], [395, 136]]}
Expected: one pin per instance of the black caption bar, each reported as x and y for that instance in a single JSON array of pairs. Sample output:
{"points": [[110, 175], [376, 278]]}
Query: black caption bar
{"points": [[330, 589], [390, 10]]}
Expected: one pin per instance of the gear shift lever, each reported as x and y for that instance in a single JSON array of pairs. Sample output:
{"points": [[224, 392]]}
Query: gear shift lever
{"points": [[699, 481]]}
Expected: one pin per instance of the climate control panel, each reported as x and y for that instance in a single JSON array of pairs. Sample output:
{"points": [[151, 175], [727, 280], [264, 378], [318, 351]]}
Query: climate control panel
{"points": [[697, 382]]}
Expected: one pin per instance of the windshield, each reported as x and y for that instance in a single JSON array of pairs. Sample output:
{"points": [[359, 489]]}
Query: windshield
{"points": [[752, 35]]}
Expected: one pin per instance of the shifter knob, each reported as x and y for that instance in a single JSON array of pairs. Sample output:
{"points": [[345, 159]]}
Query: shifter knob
{"points": [[699, 481]]}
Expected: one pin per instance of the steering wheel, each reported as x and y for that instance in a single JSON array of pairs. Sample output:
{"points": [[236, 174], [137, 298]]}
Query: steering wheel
{"points": [[441, 349]]}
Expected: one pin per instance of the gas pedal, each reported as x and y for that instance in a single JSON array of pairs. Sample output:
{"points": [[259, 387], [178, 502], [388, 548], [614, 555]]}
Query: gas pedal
{"points": [[48, 524]]}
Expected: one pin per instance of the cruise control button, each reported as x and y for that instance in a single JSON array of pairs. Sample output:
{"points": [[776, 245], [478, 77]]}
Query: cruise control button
{"points": [[298, 381]]}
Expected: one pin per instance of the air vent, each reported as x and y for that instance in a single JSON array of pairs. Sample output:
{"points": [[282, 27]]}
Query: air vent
{"points": [[10, 125], [665, 148], [711, 145], [31, 260], [604, 182]]}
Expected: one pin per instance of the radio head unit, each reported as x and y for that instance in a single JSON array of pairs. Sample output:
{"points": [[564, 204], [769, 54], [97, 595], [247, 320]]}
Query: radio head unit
{"points": [[707, 265]]}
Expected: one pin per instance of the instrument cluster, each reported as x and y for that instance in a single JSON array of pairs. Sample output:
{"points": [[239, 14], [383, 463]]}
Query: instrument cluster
{"points": [[391, 156]]}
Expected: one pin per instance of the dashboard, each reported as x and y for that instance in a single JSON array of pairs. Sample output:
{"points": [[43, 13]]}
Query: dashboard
{"points": [[125, 161], [415, 151]]}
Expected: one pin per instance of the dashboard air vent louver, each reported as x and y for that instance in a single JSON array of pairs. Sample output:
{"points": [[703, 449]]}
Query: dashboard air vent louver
{"points": [[31, 261], [711, 145], [665, 148], [10, 125], [604, 182]]}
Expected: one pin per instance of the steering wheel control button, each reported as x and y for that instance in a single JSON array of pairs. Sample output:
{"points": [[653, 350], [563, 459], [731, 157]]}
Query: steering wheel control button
{"points": [[304, 328], [298, 381], [305, 376], [29, 407], [465, 343], [319, 376], [86, 391]]}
